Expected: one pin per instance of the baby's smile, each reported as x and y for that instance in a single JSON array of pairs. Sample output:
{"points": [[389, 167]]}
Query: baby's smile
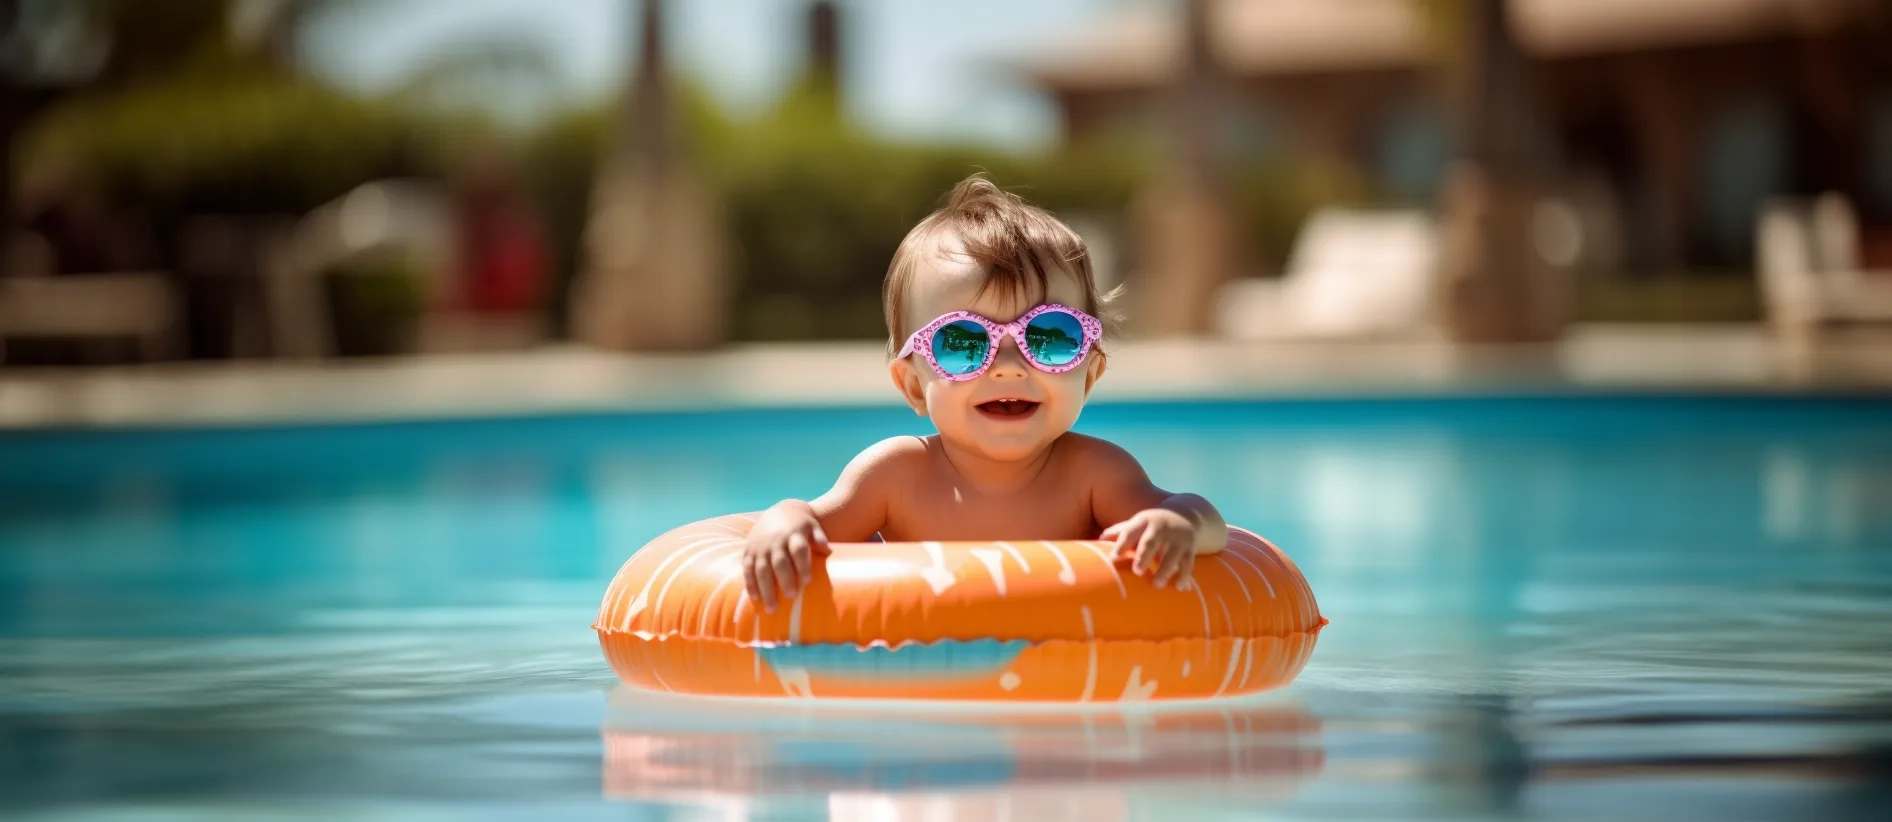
{"points": [[1010, 409]]}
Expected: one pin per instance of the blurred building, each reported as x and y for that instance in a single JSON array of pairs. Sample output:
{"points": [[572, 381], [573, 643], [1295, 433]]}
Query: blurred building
{"points": [[1676, 119]]}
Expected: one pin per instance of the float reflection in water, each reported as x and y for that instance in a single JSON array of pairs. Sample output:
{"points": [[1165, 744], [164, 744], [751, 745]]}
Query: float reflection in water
{"points": [[857, 756]]}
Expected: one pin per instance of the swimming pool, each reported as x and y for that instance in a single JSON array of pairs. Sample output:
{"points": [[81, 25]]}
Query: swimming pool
{"points": [[1593, 607]]}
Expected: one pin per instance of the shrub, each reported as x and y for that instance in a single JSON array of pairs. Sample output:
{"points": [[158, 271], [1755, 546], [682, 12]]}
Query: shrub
{"points": [[251, 145]]}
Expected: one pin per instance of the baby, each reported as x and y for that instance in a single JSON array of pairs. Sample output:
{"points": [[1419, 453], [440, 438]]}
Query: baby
{"points": [[998, 300]]}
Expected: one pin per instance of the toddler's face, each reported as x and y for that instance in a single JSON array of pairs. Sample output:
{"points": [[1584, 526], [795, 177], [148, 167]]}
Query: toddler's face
{"points": [[1013, 409]]}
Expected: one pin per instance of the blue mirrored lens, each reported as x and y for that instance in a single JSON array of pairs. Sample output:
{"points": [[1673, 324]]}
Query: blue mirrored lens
{"points": [[960, 347], [1054, 338]]}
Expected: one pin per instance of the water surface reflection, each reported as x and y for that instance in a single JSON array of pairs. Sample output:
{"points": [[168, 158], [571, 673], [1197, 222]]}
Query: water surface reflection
{"points": [[865, 760], [1574, 608]]}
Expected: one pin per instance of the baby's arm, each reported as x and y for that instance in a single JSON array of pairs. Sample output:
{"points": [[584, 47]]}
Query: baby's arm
{"points": [[777, 562], [1166, 531]]}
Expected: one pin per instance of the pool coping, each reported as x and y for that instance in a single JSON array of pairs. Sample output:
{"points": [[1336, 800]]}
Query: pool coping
{"points": [[1735, 359]]}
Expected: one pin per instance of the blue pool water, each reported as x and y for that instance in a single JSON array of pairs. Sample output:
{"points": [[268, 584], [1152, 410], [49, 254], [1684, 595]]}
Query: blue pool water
{"points": [[1583, 607]]}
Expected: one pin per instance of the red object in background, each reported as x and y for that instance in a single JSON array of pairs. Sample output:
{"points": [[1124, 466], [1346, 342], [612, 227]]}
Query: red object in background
{"points": [[503, 254]]}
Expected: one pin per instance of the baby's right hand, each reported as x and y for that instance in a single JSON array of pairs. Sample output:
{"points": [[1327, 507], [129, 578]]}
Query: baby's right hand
{"points": [[778, 561]]}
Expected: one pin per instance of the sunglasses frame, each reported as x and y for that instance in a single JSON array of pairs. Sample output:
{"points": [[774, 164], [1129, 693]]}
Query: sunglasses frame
{"points": [[921, 341]]}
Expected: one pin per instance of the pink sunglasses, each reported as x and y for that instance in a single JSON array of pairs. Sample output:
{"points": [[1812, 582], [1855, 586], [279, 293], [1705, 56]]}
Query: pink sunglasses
{"points": [[961, 345]]}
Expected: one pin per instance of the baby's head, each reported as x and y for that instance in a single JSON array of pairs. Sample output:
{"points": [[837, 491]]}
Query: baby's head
{"points": [[990, 254]]}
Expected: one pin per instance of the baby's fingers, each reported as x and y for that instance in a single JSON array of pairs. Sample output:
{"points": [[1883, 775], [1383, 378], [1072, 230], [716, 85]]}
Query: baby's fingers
{"points": [[1149, 551], [1176, 564], [1126, 537], [798, 552], [785, 576], [749, 581], [761, 580]]}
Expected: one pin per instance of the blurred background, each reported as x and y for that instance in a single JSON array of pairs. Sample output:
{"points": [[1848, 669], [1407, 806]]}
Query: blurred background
{"points": [[349, 347], [268, 180]]}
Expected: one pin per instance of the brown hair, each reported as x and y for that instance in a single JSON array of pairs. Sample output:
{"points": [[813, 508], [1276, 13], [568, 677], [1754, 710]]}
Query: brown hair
{"points": [[1010, 239]]}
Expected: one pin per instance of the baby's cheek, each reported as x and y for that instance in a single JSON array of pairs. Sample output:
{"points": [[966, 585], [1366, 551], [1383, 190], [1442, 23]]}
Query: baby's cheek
{"points": [[944, 405], [1070, 388], [1064, 409], [942, 395]]}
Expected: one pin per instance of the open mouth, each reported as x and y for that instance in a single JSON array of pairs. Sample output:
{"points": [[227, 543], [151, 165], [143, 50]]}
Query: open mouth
{"points": [[1008, 409]]}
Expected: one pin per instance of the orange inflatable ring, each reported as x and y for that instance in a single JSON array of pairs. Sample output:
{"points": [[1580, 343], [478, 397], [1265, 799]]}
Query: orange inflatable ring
{"points": [[1024, 620]]}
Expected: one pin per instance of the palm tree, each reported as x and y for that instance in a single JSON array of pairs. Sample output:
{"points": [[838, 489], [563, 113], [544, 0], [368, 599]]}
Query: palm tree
{"points": [[1496, 287], [652, 274], [1187, 216]]}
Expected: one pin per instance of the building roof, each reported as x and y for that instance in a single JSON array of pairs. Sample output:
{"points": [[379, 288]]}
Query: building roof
{"points": [[1141, 45]]}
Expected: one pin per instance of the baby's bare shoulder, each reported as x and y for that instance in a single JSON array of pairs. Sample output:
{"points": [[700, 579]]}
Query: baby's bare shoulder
{"points": [[1089, 453], [890, 459], [895, 449], [1116, 483]]}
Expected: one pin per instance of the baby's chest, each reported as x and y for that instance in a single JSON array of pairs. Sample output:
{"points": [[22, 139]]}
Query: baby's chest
{"points": [[943, 512]]}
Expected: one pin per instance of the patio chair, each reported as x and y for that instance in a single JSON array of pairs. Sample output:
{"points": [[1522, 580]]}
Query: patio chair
{"points": [[1807, 256], [1352, 273], [143, 307]]}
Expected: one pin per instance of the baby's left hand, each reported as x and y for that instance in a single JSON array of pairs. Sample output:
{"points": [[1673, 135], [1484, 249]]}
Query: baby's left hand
{"points": [[1162, 539]]}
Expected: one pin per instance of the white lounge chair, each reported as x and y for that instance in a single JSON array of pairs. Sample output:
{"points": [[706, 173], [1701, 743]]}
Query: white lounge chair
{"points": [[143, 307], [407, 218], [1352, 274], [1807, 253]]}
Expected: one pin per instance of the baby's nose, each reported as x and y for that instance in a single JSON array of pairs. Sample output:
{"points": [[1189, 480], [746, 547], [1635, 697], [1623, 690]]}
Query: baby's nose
{"points": [[1010, 362]]}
